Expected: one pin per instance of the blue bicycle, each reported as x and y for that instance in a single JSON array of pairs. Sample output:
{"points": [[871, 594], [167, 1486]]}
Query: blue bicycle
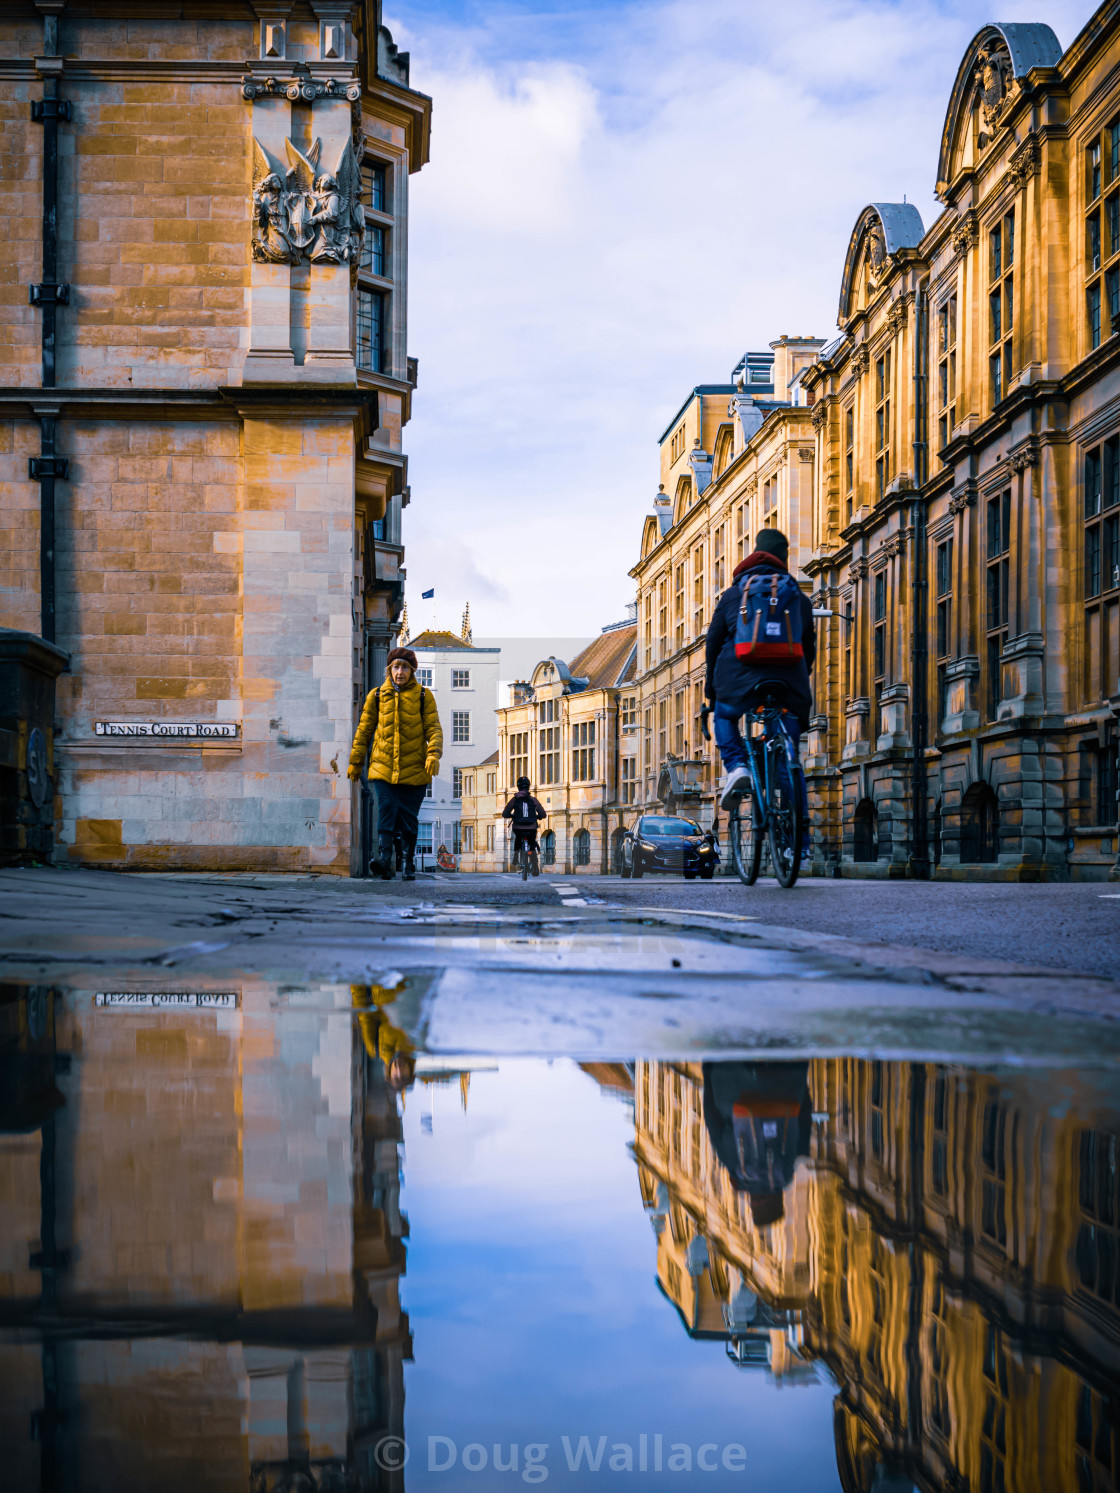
{"points": [[773, 809]]}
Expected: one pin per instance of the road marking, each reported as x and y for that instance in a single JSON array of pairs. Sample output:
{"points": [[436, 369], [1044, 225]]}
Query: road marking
{"points": [[1109, 896]]}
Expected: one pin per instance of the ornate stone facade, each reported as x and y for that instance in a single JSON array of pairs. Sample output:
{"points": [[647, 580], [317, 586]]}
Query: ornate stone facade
{"points": [[984, 643], [215, 376]]}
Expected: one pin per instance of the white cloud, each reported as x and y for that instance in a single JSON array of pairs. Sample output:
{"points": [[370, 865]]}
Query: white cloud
{"points": [[619, 202]]}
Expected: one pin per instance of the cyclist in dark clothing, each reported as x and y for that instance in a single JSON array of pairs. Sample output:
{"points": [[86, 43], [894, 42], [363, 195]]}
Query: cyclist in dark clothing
{"points": [[733, 685], [526, 812]]}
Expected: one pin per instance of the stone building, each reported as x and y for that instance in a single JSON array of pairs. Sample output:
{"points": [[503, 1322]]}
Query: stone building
{"points": [[201, 470], [967, 500], [231, 1320], [734, 458], [564, 731], [464, 680], [945, 1249]]}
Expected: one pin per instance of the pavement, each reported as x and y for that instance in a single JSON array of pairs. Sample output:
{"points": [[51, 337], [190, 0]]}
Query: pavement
{"points": [[596, 967]]}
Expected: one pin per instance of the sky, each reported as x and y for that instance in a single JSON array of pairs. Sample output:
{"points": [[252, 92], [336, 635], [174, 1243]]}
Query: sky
{"points": [[622, 198]]}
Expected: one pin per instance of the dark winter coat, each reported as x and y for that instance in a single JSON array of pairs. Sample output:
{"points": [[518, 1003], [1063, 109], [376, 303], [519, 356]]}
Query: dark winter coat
{"points": [[534, 804], [733, 681]]}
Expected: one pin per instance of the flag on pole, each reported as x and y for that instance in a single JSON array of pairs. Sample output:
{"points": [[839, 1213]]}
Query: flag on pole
{"points": [[427, 595]]}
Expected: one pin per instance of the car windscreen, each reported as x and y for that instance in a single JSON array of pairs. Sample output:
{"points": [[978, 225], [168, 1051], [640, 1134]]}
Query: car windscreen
{"points": [[660, 829]]}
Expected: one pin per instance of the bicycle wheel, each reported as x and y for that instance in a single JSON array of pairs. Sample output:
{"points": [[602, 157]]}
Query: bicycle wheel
{"points": [[746, 841], [787, 828]]}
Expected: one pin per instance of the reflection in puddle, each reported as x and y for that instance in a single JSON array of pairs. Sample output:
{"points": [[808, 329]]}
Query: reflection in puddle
{"points": [[838, 1273]]}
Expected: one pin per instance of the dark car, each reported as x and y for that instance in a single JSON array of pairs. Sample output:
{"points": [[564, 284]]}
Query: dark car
{"points": [[664, 842]]}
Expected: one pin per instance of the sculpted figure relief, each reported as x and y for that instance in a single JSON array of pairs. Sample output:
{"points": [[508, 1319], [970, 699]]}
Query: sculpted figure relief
{"points": [[301, 213], [993, 72]]}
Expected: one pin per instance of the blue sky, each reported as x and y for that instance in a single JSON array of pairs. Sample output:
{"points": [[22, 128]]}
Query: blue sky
{"points": [[621, 199]]}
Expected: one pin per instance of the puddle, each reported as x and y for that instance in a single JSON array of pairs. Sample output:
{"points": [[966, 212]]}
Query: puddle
{"points": [[254, 1236]]}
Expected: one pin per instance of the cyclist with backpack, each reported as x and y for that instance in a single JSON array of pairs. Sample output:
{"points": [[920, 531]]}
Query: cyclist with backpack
{"points": [[525, 812], [762, 633]]}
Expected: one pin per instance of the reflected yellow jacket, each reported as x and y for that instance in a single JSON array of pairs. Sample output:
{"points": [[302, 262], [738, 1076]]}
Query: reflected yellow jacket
{"points": [[380, 1037], [405, 728]]}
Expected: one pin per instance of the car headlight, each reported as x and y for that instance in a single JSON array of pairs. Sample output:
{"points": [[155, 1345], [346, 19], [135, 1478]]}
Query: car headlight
{"points": [[645, 845]]}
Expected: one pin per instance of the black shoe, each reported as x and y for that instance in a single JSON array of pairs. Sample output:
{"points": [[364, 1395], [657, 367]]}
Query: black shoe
{"points": [[534, 864], [409, 850], [385, 858]]}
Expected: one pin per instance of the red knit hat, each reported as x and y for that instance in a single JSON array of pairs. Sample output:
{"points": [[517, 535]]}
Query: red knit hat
{"points": [[405, 654]]}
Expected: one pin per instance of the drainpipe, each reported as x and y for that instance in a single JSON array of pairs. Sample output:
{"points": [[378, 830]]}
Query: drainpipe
{"points": [[919, 621], [48, 466]]}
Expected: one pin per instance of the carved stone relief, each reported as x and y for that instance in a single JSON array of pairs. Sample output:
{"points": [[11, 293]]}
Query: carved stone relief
{"points": [[1025, 161], [857, 571], [861, 358], [819, 416], [967, 232], [962, 498], [301, 213], [1026, 457], [995, 76], [806, 453]]}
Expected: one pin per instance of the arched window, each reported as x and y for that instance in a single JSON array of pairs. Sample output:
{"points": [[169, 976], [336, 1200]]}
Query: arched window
{"points": [[979, 826], [865, 827], [548, 848], [581, 848], [616, 849], [725, 450]]}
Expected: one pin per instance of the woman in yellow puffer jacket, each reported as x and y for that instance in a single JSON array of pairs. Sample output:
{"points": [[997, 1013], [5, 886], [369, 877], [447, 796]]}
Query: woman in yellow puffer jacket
{"points": [[402, 721]]}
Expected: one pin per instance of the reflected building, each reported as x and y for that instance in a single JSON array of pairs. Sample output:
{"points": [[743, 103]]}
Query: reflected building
{"points": [[948, 1249], [201, 1243]]}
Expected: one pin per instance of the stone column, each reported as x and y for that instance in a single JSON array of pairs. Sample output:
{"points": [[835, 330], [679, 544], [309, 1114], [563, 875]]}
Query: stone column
{"points": [[330, 354], [270, 355]]}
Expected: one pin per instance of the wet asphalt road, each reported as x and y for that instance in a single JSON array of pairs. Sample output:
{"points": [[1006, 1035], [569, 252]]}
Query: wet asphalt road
{"points": [[1073, 926]]}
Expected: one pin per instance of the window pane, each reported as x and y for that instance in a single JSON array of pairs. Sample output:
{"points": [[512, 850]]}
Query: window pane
{"points": [[374, 258], [371, 312], [1093, 560], [1111, 576], [996, 316], [1093, 240], [1111, 475], [1009, 303], [1094, 173], [1092, 482], [1009, 239], [1112, 299], [996, 365], [373, 185], [995, 254], [1093, 313], [1112, 215]]}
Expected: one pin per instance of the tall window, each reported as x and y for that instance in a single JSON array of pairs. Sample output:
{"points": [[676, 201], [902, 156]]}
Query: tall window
{"points": [[850, 459], [468, 838], [1098, 1441], [647, 739], [375, 186], [581, 848], [947, 370], [999, 587], [583, 751], [993, 1428], [460, 725], [629, 712], [849, 678], [456, 837], [371, 330], [456, 782], [1001, 305], [993, 1172], [698, 591], [518, 756], [629, 780], [662, 730], [676, 445], [548, 743], [1098, 1238], [879, 645], [770, 499], [548, 711], [719, 579], [662, 618], [679, 740], [491, 782], [460, 679], [678, 607], [740, 532], [939, 1150], [1102, 235], [375, 250], [883, 422], [944, 584], [649, 632], [1101, 575]]}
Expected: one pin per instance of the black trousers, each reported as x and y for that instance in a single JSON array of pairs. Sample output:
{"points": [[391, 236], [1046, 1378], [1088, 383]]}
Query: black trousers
{"points": [[398, 808]]}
